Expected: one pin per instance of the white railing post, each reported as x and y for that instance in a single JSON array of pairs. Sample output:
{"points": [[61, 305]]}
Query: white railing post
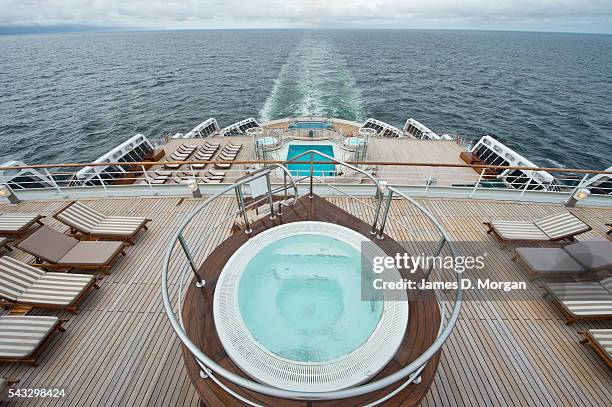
{"points": [[146, 175], [55, 184], [527, 185], [482, 171]]}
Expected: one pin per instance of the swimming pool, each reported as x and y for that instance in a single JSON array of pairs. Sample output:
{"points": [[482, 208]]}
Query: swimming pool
{"points": [[297, 169], [288, 309], [310, 125]]}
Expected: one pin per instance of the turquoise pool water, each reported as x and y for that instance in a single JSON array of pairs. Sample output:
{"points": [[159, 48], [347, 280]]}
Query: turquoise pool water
{"points": [[304, 169], [310, 125], [300, 297]]}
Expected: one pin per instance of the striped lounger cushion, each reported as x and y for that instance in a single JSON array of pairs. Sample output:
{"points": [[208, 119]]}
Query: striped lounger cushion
{"points": [[14, 222], [90, 221], [22, 283], [561, 225], [518, 230], [603, 337], [584, 299], [20, 336]]}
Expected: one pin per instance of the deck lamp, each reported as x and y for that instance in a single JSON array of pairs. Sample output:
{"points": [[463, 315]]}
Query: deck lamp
{"points": [[7, 192], [192, 185], [577, 195]]}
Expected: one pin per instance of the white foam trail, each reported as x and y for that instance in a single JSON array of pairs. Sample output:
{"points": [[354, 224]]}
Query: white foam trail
{"points": [[314, 81]]}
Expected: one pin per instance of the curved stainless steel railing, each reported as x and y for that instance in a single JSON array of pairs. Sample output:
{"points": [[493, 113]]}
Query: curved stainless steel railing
{"points": [[409, 372]]}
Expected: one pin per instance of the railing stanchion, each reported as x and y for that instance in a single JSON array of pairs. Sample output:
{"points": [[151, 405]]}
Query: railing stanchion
{"points": [[527, 185], [310, 195], [482, 171], [102, 182], [199, 281], [270, 199], [245, 217], [380, 193], [55, 184], [146, 175], [280, 210], [385, 215], [439, 248]]}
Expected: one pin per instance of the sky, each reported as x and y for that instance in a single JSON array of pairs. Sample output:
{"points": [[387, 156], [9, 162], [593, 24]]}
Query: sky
{"points": [[589, 16]]}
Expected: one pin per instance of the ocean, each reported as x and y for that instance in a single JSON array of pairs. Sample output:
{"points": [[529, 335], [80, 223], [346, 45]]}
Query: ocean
{"points": [[72, 97]]}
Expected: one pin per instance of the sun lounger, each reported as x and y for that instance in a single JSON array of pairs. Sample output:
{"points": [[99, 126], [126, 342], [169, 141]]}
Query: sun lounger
{"points": [[19, 225], [232, 146], [215, 173], [22, 338], [560, 226], [4, 243], [56, 251], [87, 221], [5, 385], [207, 180], [582, 301], [570, 260], [22, 284], [601, 342]]}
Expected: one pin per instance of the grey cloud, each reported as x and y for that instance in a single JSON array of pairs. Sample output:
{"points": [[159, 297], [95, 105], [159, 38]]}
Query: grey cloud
{"points": [[301, 13]]}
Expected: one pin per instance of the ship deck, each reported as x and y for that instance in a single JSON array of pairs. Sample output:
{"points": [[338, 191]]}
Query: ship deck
{"points": [[121, 350], [393, 150]]}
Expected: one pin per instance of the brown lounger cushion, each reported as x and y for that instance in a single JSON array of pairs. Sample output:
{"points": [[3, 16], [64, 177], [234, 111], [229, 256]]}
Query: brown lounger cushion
{"points": [[594, 255], [57, 248], [92, 253], [48, 244], [549, 260]]}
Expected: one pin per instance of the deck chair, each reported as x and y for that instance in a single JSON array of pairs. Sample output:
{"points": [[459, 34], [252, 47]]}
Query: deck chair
{"points": [[23, 337], [22, 284], [56, 251], [4, 244], [560, 226], [5, 385], [601, 342], [185, 149], [19, 225], [231, 146], [568, 261], [208, 180], [89, 222], [582, 301], [216, 174]]}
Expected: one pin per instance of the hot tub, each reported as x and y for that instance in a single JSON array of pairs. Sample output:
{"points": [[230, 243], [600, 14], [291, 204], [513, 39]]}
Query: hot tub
{"points": [[288, 310]]}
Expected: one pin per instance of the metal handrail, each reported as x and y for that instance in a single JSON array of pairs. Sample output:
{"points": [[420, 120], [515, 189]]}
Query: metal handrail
{"points": [[210, 364]]}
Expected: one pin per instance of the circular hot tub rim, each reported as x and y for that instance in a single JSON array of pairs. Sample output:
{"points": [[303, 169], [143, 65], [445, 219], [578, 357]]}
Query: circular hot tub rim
{"points": [[353, 368]]}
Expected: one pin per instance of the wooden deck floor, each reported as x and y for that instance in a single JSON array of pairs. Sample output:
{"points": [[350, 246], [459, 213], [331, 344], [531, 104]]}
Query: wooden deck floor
{"points": [[120, 349]]}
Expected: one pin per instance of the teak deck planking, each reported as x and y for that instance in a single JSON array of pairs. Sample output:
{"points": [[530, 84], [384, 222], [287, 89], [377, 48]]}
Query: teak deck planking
{"points": [[121, 350]]}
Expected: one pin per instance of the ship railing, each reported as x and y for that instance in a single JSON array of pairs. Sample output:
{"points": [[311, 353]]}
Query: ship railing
{"points": [[60, 181], [180, 272]]}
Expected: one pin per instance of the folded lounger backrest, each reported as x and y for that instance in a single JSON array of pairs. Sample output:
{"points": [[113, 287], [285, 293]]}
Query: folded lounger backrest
{"points": [[607, 284], [48, 244], [80, 217], [561, 225], [16, 278]]}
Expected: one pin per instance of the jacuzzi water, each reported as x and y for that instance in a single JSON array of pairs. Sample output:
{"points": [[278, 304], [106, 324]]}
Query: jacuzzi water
{"points": [[266, 141], [300, 298], [354, 141]]}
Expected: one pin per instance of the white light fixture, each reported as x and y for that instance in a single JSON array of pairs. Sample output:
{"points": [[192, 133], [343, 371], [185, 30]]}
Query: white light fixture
{"points": [[192, 185], [577, 195], [7, 192], [582, 194]]}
